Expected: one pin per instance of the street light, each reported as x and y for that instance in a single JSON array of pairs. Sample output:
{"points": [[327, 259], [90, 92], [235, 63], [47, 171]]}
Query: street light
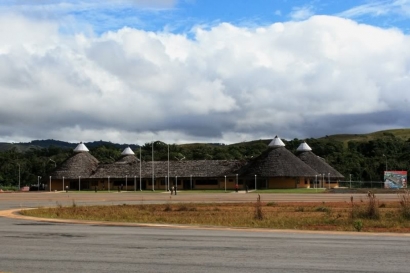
{"points": [[255, 182], [385, 157], [316, 181], [19, 176], [225, 183], [328, 179], [50, 185], [350, 181], [55, 164], [38, 182]]}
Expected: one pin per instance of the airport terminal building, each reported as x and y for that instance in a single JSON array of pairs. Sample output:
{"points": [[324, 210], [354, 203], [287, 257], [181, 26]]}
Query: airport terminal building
{"points": [[275, 168]]}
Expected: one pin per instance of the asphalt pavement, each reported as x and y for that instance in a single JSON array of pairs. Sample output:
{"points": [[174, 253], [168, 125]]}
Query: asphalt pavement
{"points": [[34, 246]]}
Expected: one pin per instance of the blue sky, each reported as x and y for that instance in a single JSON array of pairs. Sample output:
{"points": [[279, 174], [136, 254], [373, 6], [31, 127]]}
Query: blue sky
{"points": [[183, 71]]}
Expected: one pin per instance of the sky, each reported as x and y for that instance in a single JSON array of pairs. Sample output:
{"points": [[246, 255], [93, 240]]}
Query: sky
{"points": [[208, 71]]}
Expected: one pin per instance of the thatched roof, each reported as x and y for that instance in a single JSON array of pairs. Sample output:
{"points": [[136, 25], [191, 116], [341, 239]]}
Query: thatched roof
{"points": [[278, 162], [80, 164], [196, 168], [127, 159], [319, 164]]}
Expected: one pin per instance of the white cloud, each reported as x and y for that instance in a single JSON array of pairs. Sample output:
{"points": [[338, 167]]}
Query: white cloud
{"points": [[301, 13], [379, 8], [320, 76]]}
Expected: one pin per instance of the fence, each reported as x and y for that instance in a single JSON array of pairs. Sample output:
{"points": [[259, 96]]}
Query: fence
{"points": [[363, 184]]}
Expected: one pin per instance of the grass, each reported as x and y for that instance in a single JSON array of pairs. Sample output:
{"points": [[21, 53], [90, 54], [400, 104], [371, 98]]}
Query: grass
{"points": [[303, 216]]}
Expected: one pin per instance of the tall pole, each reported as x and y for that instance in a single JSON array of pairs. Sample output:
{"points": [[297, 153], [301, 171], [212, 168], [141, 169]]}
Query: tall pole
{"points": [[225, 183], [63, 182], [323, 180], [176, 184], [236, 180], [350, 181], [50, 185], [19, 176], [168, 171], [140, 168], [153, 166], [328, 179], [166, 183], [38, 182], [255, 182]]}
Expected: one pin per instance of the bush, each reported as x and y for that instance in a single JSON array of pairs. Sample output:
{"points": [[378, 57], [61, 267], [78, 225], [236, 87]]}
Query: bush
{"points": [[358, 225], [405, 204], [258, 209]]}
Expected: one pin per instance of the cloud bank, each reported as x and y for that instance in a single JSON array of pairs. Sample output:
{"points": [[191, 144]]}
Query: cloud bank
{"points": [[323, 75]]}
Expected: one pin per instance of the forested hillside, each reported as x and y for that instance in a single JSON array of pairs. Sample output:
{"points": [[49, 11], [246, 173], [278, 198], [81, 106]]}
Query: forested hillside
{"points": [[363, 156]]}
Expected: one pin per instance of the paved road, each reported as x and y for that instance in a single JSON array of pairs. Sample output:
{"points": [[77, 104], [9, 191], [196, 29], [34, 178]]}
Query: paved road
{"points": [[33, 199], [31, 246]]}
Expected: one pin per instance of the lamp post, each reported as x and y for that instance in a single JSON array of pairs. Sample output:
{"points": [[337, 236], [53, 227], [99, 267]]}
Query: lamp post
{"points": [[126, 182], [236, 179], [38, 182], [140, 168], [50, 185], [316, 181], [166, 183], [350, 181], [153, 171], [385, 157], [63, 183], [79, 183], [225, 183], [176, 184], [168, 172], [323, 180], [108, 183], [55, 164], [19, 176], [328, 179], [255, 182]]}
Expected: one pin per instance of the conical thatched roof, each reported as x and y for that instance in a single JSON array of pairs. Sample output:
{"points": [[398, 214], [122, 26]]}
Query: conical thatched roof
{"points": [[196, 168], [303, 147], [319, 164], [276, 142], [278, 162], [80, 148], [80, 164], [127, 151], [127, 159]]}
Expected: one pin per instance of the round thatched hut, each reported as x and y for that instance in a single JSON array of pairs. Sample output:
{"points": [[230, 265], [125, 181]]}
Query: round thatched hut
{"points": [[277, 167], [327, 176]]}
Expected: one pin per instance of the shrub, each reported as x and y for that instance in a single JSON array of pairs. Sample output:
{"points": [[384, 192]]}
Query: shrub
{"points": [[300, 209], [168, 207], [405, 204], [271, 204], [258, 209], [358, 225], [372, 210], [322, 209]]}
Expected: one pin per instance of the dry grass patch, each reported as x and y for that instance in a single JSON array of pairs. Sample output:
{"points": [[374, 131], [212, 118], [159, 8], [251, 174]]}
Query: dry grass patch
{"points": [[305, 216]]}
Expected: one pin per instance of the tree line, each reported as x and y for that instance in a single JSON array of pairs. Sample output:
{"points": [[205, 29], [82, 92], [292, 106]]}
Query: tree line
{"points": [[362, 160]]}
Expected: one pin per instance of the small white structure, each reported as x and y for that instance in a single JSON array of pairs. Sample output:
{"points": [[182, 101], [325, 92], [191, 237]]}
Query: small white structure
{"points": [[127, 151], [276, 142], [304, 147], [80, 148]]}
